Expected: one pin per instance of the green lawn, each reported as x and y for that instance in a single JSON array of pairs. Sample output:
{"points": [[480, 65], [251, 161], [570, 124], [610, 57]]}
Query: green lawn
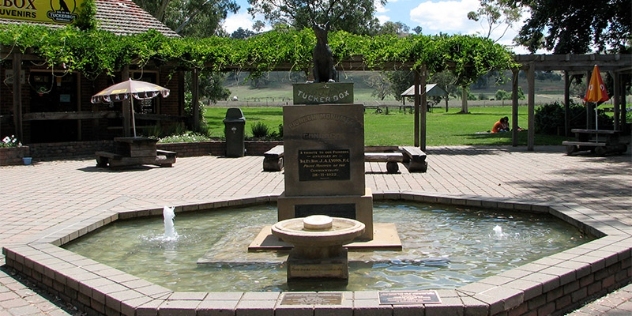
{"points": [[397, 127]]}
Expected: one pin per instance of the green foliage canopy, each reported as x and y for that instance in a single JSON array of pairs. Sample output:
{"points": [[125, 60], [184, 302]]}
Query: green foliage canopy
{"points": [[93, 52], [576, 26]]}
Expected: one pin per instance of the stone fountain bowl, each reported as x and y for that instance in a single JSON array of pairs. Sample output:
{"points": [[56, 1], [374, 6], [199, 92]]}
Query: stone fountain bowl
{"points": [[341, 231]]}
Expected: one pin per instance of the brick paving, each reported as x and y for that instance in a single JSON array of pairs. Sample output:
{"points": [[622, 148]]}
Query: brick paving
{"points": [[38, 197]]}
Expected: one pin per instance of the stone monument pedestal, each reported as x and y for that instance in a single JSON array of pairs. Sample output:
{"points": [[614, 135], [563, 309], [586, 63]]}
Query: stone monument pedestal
{"points": [[324, 160], [358, 207], [335, 268]]}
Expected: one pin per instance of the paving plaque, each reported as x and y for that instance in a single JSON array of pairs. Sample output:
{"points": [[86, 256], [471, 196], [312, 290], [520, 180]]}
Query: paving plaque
{"points": [[312, 299], [409, 297]]}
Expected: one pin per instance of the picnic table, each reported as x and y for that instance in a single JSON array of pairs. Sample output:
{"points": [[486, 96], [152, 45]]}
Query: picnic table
{"points": [[131, 151], [599, 141]]}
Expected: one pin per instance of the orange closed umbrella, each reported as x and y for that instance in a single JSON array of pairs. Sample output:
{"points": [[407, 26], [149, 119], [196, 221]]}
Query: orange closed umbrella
{"points": [[596, 91]]}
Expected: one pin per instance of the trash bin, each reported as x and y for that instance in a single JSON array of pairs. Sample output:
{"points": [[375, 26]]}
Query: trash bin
{"points": [[234, 125]]}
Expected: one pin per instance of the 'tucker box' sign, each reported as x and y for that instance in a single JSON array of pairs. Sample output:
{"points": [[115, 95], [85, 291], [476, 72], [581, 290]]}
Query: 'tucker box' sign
{"points": [[323, 93]]}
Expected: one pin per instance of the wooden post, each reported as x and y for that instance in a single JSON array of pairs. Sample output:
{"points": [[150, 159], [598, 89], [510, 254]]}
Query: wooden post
{"points": [[567, 100], [616, 99], [424, 108], [416, 119], [17, 96], [125, 106], [531, 107], [195, 85], [514, 107]]}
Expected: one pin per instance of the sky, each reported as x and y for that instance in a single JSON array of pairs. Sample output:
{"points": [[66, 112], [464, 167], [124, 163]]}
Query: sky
{"points": [[434, 16]]}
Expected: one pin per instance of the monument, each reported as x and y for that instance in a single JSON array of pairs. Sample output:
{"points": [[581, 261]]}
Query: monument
{"points": [[323, 148]]}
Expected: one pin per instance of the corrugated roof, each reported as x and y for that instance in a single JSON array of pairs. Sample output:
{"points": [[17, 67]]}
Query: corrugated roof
{"points": [[432, 90], [121, 17]]}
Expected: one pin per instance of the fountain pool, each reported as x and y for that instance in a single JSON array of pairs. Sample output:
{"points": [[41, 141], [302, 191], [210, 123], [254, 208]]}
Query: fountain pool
{"points": [[444, 247]]}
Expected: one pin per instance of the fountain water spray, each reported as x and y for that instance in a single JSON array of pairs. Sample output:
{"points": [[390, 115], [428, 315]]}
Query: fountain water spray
{"points": [[498, 232], [168, 214]]}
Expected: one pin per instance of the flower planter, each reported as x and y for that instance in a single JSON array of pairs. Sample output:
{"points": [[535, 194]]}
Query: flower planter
{"points": [[27, 160], [12, 156]]}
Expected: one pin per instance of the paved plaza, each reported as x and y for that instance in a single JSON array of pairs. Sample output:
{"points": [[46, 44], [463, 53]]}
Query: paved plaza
{"points": [[47, 194]]}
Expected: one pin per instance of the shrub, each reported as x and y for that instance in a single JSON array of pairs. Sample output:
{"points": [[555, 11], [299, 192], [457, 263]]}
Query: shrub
{"points": [[186, 137], [549, 117], [260, 130], [10, 142]]}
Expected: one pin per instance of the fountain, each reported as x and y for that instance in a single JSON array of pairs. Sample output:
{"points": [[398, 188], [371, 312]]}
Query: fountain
{"points": [[444, 247], [318, 241], [168, 215]]}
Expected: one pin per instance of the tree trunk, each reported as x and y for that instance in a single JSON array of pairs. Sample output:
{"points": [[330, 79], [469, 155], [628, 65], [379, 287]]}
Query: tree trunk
{"points": [[464, 100], [160, 14]]}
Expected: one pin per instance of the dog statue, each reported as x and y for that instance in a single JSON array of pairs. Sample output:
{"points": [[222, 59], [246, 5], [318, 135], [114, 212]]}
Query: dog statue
{"points": [[324, 70]]}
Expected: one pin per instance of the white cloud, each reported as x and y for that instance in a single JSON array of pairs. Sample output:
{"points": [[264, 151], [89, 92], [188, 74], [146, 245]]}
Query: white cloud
{"points": [[445, 16], [383, 18], [235, 21], [379, 8]]}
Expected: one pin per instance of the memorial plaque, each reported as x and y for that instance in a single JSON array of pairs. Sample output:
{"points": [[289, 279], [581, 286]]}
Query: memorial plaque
{"points": [[332, 164], [410, 297], [334, 210], [312, 299]]}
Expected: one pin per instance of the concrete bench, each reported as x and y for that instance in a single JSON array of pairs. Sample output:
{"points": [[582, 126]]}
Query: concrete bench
{"points": [[104, 157], [391, 160], [163, 158], [273, 159], [598, 148], [415, 158]]}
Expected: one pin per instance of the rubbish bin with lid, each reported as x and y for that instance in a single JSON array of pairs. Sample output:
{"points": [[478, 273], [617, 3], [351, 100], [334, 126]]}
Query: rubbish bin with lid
{"points": [[234, 125]]}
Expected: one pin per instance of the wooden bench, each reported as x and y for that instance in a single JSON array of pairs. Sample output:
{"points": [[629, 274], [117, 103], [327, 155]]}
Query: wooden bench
{"points": [[601, 142], [415, 158], [273, 159]]}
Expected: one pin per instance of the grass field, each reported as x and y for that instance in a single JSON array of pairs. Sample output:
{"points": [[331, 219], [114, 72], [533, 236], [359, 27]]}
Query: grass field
{"points": [[397, 127]]}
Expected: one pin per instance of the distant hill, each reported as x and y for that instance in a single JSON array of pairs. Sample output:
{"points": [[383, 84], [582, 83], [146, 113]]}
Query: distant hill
{"points": [[275, 88]]}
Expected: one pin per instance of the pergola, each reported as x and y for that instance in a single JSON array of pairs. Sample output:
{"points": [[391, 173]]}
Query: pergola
{"points": [[616, 64]]}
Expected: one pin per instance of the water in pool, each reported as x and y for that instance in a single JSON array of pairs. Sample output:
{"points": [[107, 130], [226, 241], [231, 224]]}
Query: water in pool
{"points": [[443, 248]]}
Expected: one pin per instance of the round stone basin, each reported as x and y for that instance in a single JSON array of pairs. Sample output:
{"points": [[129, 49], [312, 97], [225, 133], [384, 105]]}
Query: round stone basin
{"points": [[318, 236]]}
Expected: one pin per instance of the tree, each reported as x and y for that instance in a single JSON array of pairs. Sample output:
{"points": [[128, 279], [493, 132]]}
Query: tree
{"points": [[240, 33], [354, 16], [395, 28], [495, 14], [576, 26], [191, 18], [417, 30], [400, 81], [380, 84]]}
